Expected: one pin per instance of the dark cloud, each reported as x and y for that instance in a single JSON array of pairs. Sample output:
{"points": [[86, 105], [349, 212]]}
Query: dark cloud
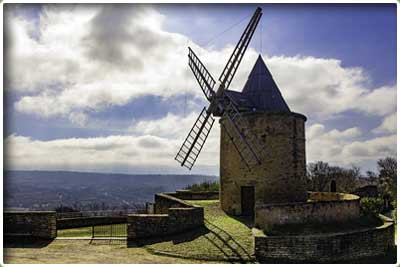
{"points": [[117, 31]]}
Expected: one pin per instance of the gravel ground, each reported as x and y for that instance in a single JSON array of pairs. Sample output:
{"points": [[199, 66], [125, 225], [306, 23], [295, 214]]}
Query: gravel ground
{"points": [[84, 251]]}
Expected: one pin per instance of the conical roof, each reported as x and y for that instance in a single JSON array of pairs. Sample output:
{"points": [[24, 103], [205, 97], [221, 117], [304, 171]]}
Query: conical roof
{"points": [[262, 91]]}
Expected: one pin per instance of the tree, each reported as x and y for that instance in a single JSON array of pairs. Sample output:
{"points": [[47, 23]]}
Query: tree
{"points": [[387, 169], [347, 179], [319, 176]]}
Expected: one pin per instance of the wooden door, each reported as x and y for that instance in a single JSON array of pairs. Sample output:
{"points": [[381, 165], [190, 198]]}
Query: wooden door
{"points": [[248, 201]]}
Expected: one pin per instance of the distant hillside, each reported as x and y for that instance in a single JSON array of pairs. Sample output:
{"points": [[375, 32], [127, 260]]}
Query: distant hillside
{"points": [[45, 190]]}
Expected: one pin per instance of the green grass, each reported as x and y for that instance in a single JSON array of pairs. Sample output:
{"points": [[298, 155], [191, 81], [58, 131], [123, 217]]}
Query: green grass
{"points": [[75, 232], [99, 231], [223, 238]]}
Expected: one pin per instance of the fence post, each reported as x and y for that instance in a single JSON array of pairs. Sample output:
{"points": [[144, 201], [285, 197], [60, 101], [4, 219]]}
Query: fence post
{"points": [[92, 231]]}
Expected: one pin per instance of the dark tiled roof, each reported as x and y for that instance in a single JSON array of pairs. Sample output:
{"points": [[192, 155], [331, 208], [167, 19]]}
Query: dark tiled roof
{"points": [[240, 99], [261, 91]]}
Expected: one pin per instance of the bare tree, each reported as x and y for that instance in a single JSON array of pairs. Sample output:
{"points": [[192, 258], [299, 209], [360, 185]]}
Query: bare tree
{"points": [[319, 176], [347, 179]]}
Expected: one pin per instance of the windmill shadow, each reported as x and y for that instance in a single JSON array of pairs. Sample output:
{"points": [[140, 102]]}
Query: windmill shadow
{"points": [[230, 247], [174, 238]]}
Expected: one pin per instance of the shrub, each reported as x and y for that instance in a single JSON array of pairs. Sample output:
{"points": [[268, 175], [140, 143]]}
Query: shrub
{"points": [[371, 206], [204, 186]]}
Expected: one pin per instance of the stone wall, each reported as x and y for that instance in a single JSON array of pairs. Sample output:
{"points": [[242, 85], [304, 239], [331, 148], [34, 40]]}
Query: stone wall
{"points": [[41, 224], [89, 221], [281, 176], [177, 220], [322, 207], [325, 248], [172, 215], [164, 201]]}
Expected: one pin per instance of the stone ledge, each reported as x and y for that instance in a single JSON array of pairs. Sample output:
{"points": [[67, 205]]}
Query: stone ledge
{"points": [[323, 248], [324, 207]]}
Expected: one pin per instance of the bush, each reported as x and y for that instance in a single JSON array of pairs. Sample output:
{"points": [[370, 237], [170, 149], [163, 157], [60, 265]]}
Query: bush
{"points": [[204, 186], [371, 206]]}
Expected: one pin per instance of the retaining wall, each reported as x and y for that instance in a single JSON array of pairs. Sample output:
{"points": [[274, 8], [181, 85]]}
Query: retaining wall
{"points": [[164, 201], [41, 224], [321, 207], [323, 248], [89, 221], [171, 216]]}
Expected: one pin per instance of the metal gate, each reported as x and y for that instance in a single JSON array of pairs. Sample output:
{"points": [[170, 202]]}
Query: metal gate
{"points": [[109, 231]]}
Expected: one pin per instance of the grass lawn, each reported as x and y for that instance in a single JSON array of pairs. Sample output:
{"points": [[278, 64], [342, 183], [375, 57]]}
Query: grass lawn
{"points": [[223, 238]]}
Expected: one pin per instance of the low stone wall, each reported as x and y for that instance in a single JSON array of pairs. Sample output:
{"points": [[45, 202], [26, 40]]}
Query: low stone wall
{"points": [[321, 207], [177, 220], [164, 201], [324, 248], [172, 215], [202, 195], [89, 221], [41, 224]]}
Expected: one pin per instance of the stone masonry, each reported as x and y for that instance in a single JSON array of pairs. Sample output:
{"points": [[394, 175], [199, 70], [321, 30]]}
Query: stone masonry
{"points": [[172, 215], [281, 176], [41, 224]]}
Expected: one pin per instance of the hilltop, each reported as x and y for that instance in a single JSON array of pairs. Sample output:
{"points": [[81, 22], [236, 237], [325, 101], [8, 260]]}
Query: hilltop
{"points": [[43, 190]]}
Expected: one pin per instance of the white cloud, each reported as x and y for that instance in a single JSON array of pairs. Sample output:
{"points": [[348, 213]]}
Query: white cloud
{"points": [[176, 128], [101, 153], [169, 126], [388, 125], [91, 57], [346, 147]]}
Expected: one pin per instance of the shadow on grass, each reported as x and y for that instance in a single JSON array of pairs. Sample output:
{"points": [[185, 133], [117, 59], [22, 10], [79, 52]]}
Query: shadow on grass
{"points": [[25, 242], [228, 241], [175, 238], [218, 237], [246, 220]]}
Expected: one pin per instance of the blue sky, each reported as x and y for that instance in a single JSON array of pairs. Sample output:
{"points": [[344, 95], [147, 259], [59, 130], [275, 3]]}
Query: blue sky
{"points": [[93, 74]]}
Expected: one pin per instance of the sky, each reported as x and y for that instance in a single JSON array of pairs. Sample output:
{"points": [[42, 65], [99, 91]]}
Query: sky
{"points": [[107, 88]]}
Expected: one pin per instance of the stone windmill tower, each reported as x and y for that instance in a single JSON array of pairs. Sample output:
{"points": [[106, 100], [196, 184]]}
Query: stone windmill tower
{"points": [[280, 177], [262, 156]]}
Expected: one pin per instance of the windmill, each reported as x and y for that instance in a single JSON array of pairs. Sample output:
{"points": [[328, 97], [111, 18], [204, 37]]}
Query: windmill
{"points": [[222, 105]]}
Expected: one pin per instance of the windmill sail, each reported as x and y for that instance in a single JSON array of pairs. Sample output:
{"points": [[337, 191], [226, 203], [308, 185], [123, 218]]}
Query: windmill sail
{"points": [[237, 55], [202, 75], [221, 104], [195, 140], [250, 149]]}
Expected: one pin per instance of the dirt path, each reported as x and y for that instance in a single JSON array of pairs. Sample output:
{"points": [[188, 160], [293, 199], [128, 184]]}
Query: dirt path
{"points": [[84, 251]]}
